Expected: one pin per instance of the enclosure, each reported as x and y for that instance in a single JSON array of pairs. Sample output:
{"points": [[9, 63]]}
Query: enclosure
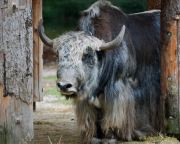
{"points": [[22, 79]]}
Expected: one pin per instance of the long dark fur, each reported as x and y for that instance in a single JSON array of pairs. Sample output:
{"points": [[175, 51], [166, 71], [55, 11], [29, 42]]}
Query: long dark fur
{"points": [[129, 89]]}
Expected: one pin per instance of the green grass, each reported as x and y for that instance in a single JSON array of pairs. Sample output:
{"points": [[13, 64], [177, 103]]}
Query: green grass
{"points": [[51, 91], [50, 78]]}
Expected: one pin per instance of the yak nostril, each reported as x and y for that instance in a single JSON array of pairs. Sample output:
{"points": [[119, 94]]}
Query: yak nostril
{"points": [[68, 85], [64, 86], [58, 85]]}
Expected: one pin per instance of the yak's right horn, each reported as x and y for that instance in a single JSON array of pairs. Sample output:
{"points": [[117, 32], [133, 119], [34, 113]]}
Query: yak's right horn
{"points": [[47, 41]]}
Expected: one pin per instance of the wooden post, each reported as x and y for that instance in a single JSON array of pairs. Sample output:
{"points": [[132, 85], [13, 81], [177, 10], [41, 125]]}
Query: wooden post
{"points": [[16, 69], [37, 52], [170, 70], [154, 4]]}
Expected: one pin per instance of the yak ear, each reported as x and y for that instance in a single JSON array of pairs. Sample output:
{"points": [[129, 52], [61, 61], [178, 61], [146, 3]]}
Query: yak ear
{"points": [[47, 41], [114, 43]]}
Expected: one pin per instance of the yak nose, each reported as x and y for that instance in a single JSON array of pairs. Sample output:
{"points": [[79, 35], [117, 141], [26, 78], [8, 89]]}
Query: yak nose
{"points": [[64, 86]]}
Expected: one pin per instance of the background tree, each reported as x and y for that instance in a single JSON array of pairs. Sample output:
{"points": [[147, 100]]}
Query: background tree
{"points": [[154, 4]]}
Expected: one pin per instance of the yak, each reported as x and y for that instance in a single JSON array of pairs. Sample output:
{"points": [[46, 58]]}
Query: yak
{"points": [[110, 67]]}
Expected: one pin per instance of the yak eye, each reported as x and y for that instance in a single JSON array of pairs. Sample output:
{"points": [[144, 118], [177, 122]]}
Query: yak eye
{"points": [[88, 56], [88, 59]]}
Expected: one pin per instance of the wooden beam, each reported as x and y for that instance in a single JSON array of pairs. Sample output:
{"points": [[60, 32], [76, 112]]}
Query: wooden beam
{"points": [[170, 62], [37, 52]]}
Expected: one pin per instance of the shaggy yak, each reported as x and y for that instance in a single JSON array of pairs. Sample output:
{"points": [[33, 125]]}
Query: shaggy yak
{"points": [[110, 68]]}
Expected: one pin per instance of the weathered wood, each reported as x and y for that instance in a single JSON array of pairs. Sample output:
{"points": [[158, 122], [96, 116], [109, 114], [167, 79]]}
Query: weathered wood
{"points": [[16, 67], [170, 62], [37, 52], [1, 21], [154, 4]]}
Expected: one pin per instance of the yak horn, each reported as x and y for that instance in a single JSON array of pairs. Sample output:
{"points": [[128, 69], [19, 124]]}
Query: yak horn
{"points": [[47, 41], [114, 43]]}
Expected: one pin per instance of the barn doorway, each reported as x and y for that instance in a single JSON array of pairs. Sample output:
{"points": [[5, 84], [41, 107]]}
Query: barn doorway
{"points": [[54, 118]]}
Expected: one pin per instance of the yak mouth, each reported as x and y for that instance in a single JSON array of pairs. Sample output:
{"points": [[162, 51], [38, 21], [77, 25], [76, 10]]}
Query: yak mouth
{"points": [[69, 94]]}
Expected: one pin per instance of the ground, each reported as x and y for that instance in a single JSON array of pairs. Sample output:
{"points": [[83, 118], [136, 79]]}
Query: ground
{"points": [[55, 121]]}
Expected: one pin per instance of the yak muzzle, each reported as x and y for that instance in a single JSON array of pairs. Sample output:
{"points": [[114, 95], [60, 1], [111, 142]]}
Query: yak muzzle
{"points": [[67, 89]]}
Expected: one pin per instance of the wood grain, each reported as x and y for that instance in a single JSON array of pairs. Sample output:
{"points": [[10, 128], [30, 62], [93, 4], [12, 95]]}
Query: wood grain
{"points": [[170, 84], [37, 52], [16, 71]]}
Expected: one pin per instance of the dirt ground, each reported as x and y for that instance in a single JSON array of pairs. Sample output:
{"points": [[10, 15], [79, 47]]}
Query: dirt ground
{"points": [[55, 121], [56, 126]]}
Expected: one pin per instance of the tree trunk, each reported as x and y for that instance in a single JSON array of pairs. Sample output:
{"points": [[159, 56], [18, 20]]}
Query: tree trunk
{"points": [[170, 62], [16, 71], [154, 4]]}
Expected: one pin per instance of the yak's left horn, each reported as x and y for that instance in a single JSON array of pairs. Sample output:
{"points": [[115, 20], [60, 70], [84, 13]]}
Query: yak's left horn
{"points": [[47, 41], [114, 43]]}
